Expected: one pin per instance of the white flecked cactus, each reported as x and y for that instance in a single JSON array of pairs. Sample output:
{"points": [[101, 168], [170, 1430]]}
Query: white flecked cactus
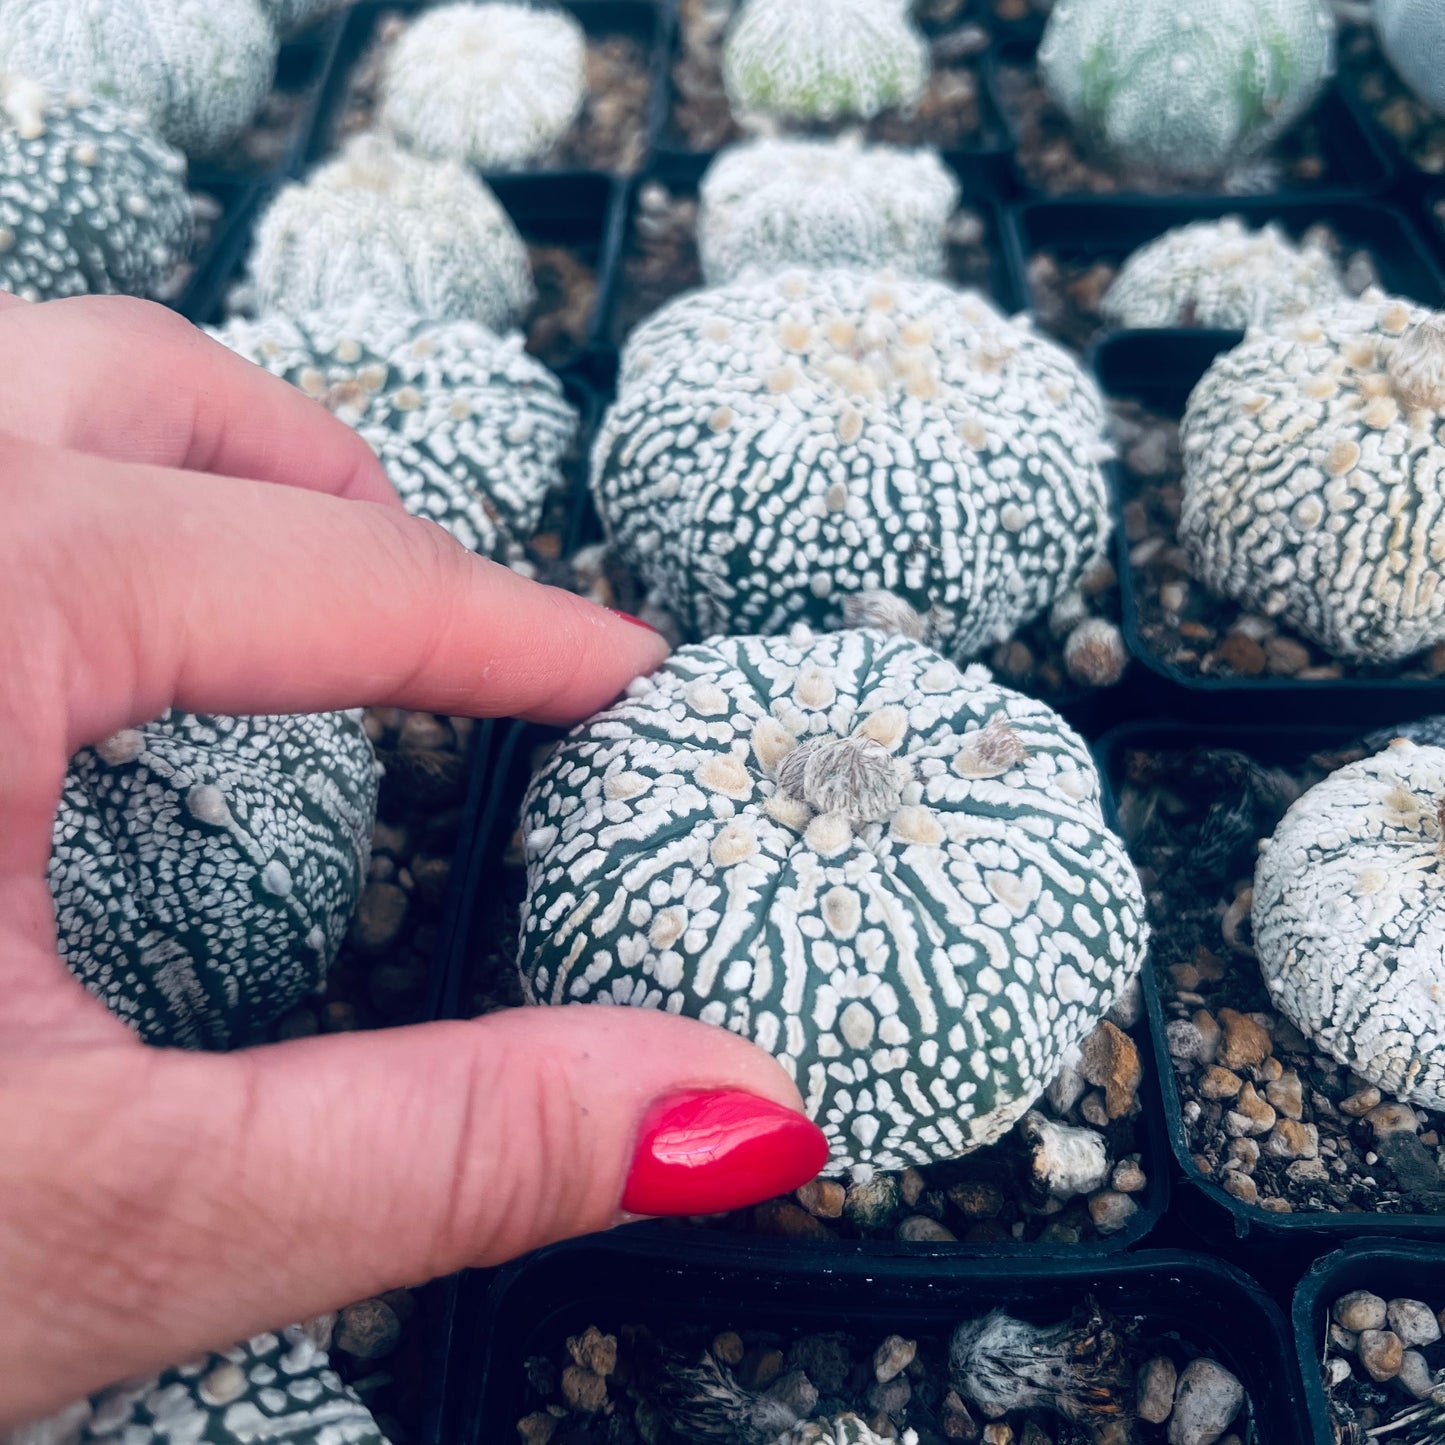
{"points": [[808, 446], [770, 205], [204, 868], [1182, 88], [1349, 918], [495, 85], [1312, 477], [198, 70], [1412, 35], [891, 874], [90, 201], [471, 430], [1218, 273], [400, 230], [823, 60]]}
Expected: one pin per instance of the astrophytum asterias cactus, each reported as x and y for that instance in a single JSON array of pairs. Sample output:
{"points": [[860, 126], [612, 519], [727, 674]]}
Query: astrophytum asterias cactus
{"points": [[823, 60], [892, 875], [89, 200], [198, 70], [1218, 273], [204, 869], [1313, 477], [1349, 918], [1181, 88], [792, 447], [273, 1387], [494, 85], [471, 430], [1412, 35], [770, 205], [400, 230]]}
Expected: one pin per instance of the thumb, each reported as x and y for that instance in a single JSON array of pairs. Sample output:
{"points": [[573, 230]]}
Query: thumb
{"points": [[230, 1193]]}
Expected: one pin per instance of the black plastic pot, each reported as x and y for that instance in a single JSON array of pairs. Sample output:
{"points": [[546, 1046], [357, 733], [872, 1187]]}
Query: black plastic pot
{"points": [[1392, 1269], [216, 263], [1274, 1247], [1355, 166], [645, 21], [1160, 369], [532, 1307]]}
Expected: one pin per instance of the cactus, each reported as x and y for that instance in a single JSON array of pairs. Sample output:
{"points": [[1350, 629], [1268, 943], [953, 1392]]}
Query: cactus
{"points": [[774, 204], [405, 232], [90, 201], [891, 874], [493, 85], [198, 70], [1184, 89], [823, 60], [470, 429], [291, 16], [1412, 35]]}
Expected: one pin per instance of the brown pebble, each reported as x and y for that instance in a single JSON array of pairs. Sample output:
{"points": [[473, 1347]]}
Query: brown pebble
{"points": [[1210, 1034], [766, 1368], [1093, 1110], [1286, 1094], [822, 1198], [583, 1390], [1289, 1139], [1241, 1187], [892, 1357], [1284, 657], [1185, 976], [1360, 1104], [911, 1185], [975, 1199], [728, 1347], [1219, 1083], [536, 1428], [1246, 1042], [1110, 1059], [1241, 654], [958, 1424], [594, 1351], [368, 1330], [998, 1432], [1156, 1390], [779, 1217], [1393, 1119], [1128, 1177], [1360, 1310], [1244, 1153], [379, 916], [1257, 1116], [920, 1229], [1111, 1211], [1381, 1353], [424, 732]]}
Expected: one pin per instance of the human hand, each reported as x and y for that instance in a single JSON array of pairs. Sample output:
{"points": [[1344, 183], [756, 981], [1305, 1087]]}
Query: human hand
{"points": [[153, 1202]]}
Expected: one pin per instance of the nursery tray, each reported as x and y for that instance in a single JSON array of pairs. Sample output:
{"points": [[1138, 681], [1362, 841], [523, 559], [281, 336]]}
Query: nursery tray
{"points": [[1392, 1269], [217, 262], [1275, 1247], [648, 22], [1354, 165], [1160, 369], [531, 1308]]}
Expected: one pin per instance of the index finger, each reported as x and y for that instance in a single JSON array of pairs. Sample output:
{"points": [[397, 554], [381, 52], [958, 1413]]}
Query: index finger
{"points": [[140, 384]]}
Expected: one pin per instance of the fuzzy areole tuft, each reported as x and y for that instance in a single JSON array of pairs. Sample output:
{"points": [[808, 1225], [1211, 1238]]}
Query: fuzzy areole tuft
{"points": [[855, 776], [1417, 365]]}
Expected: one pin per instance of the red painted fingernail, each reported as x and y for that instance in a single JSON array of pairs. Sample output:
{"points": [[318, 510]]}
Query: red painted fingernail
{"points": [[708, 1150], [635, 621]]}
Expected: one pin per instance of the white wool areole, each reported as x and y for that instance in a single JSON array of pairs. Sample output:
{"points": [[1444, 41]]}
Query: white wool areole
{"points": [[773, 205], [823, 60], [495, 85], [198, 70], [1314, 477], [891, 874], [1220, 274], [1349, 919], [471, 430], [783, 447], [1412, 35], [90, 201], [405, 232]]}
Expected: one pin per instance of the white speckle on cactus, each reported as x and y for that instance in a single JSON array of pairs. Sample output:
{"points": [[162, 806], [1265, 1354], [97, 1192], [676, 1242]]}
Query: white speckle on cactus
{"points": [[1412, 35], [197, 70], [403, 231], [1349, 918], [1179, 89], [494, 85], [823, 60], [782, 444], [1217, 273], [919, 957], [70, 173], [203, 880], [770, 205], [471, 430], [1312, 479]]}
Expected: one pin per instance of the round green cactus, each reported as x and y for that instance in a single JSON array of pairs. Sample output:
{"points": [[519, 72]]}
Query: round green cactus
{"points": [[833, 446], [892, 875], [1412, 35], [1185, 90], [823, 60], [89, 201], [771, 205], [204, 868], [198, 70], [471, 430]]}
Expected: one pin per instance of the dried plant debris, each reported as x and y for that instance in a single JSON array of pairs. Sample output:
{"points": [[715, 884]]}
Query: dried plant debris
{"points": [[1267, 1115], [1089, 1379]]}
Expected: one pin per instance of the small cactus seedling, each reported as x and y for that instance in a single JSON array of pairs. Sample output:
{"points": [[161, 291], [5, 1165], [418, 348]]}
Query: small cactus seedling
{"points": [[493, 85], [90, 201], [1412, 35], [1181, 88], [770, 205], [408, 233], [823, 60], [198, 70]]}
